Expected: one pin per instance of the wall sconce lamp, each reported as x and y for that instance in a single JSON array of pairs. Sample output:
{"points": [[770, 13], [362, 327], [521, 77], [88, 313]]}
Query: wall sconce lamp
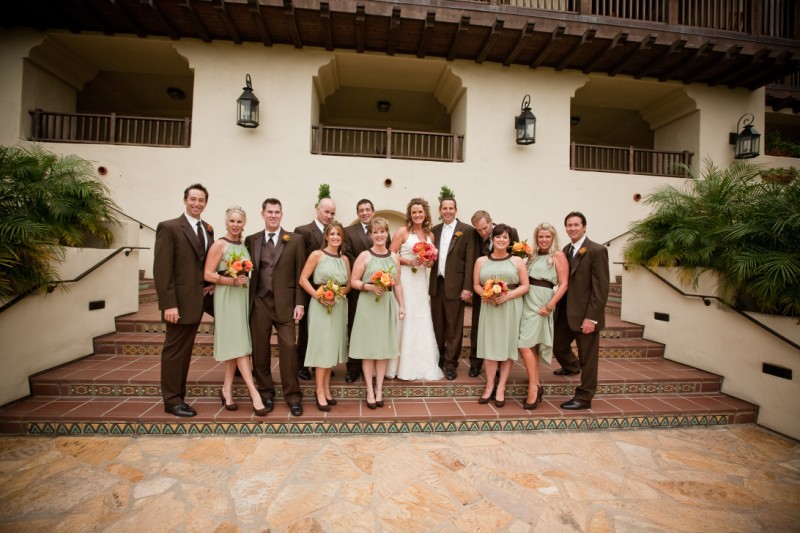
{"points": [[383, 106], [247, 107], [748, 141], [525, 123], [176, 93]]}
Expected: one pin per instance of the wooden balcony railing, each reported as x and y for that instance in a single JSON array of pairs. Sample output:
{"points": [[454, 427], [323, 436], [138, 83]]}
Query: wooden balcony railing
{"points": [[387, 143], [629, 160], [110, 129], [772, 18]]}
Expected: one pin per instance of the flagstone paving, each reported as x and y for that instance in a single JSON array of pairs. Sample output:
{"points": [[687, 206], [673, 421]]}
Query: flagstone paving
{"points": [[734, 478]]}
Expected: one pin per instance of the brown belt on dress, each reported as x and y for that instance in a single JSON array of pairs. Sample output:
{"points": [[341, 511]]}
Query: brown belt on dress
{"points": [[512, 286], [541, 282]]}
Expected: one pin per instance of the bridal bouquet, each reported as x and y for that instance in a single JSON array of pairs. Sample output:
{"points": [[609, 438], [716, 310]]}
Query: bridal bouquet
{"points": [[492, 287], [383, 279], [238, 265], [330, 292], [521, 249], [426, 253]]}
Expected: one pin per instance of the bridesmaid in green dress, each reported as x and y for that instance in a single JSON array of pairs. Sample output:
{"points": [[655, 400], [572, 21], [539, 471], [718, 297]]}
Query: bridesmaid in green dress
{"points": [[498, 326], [231, 307], [548, 273], [374, 337], [327, 318]]}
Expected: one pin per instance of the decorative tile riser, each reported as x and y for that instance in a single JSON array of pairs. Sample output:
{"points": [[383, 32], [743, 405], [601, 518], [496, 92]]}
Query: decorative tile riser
{"points": [[208, 351], [375, 428], [359, 392]]}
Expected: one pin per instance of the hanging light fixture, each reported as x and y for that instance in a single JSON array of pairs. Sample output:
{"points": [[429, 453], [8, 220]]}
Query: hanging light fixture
{"points": [[747, 142], [247, 106], [525, 123]]}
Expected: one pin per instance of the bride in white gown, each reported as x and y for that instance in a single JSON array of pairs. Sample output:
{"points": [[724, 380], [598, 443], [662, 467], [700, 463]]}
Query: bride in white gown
{"points": [[419, 354]]}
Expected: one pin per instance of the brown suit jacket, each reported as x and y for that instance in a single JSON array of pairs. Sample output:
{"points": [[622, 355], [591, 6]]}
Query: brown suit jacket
{"points": [[178, 268], [588, 285], [355, 242], [460, 258], [291, 258], [312, 237]]}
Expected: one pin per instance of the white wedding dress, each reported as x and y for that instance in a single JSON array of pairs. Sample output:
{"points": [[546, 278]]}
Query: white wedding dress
{"points": [[419, 354]]}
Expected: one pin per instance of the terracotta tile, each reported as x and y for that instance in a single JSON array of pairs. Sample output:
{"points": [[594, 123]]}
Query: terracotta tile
{"points": [[54, 410]]}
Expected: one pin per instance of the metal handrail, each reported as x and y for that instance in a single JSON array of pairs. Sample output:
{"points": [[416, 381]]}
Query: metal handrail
{"points": [[141, 224], [51, 285], [707, 301], [612, 239]]}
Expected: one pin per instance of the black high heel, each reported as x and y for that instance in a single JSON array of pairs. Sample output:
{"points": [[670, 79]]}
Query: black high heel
{"points": [[484, 401], [260, 412], [321, 407], [228, 406], [535, 404], [331, 401]]}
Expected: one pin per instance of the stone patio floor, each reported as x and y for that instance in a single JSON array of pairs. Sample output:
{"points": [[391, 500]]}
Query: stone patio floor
{"points": [[736, 478]]}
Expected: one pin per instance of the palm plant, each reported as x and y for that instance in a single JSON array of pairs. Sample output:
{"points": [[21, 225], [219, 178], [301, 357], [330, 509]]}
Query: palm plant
{"points": [[733, 223], [47, 202]]}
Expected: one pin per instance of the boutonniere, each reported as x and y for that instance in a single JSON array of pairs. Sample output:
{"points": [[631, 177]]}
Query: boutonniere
{"points": [[287, 237], [209, 229], [457, 234], [582, 251]]}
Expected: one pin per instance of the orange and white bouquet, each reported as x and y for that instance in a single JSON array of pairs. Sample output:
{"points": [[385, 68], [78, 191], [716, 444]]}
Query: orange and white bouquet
{"points": [[426, 253], [330, 291], [383, 279], [521, 249], [493, 287], [238, 265]]}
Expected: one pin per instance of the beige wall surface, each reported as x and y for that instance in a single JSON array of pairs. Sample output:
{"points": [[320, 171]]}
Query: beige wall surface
{"points": [[719, 341]]}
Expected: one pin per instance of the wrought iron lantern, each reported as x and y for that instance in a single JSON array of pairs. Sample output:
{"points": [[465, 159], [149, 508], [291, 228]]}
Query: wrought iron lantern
{"points": [[247, 106], [748, 140], [525, 123]]}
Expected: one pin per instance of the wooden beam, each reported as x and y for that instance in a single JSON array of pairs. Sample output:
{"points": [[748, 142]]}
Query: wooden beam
{"points": [[96, 19], [731, 54], [361, 31], [186, 5], [756, 60], [169, 28], [222, 11], [619, 40], [258, 18], [675, 48], [291, 21], [556, 36], [760, 77], [137, 28], [525, 34], [430, 21], [327, 31], [497, 29], [463, 28], [644, 45], [700, 53], [586, 38], [394, 29]]}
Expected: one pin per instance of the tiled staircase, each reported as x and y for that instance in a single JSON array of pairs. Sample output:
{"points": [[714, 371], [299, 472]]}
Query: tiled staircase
{"points": [[116, 391]]}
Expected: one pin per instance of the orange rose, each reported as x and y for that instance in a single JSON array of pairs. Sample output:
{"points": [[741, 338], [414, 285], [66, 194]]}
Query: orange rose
{"points": [[237, 266], [329, 294]]}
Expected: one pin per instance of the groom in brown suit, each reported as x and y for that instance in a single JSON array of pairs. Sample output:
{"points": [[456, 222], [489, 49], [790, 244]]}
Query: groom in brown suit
{"points": [[276, 299], [450, 284], [179, 258], [580, 315]]}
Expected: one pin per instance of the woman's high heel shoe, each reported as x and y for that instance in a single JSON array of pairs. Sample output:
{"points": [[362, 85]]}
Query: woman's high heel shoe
{"points": [[260, 412], [379, 403], [331, 401], [535, 404], [325, 408], [484, 401], [228, 406]]}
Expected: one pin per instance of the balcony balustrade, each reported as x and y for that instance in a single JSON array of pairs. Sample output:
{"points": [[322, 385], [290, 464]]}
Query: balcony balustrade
{"points": [[110, 129], [387, 143], [629, 160]]}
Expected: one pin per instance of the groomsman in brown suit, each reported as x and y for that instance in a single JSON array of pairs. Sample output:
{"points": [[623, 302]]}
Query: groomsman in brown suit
{"points": [[276, 299], [580, 315], [482, 222], [312, 238], [179, 258], [356, 240], [451, 283]]}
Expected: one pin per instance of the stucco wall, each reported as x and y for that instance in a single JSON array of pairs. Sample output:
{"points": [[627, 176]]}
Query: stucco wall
{"points": [[720, 341]]}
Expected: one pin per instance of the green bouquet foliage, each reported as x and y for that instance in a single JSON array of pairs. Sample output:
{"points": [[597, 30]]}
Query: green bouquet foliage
{"points": [[47, 202], [733, 223]]}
